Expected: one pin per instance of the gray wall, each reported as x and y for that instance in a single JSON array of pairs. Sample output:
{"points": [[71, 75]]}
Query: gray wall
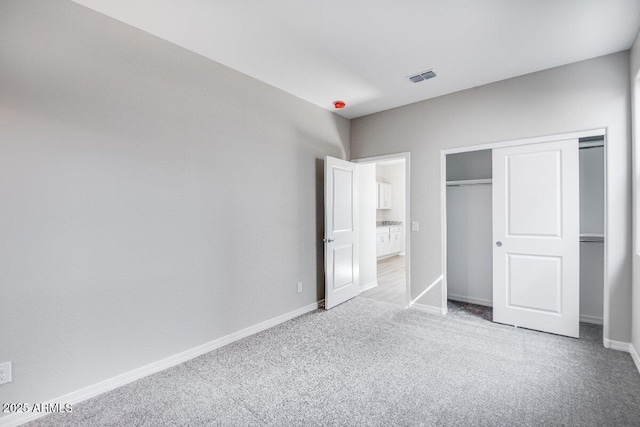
{"points": [[585, 95], [152, 200]]}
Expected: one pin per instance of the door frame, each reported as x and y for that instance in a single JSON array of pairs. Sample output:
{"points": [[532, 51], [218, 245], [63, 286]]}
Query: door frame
{"points": [[526, 141], [406, 156]]}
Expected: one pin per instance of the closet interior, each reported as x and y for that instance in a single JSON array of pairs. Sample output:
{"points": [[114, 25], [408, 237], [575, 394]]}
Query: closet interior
{"points": [[469, 228]]}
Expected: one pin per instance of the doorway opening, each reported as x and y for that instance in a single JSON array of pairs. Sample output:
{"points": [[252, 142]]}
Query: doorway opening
{"points": [[383, 193]]}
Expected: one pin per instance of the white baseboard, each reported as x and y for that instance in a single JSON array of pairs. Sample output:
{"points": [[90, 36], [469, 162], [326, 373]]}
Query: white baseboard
{"points": [[623, 346], [441, 311], [368, 286], [590, 319], [470, 300], [634, 356], [128, 377], [435, 282], [615, 345], [428, 309]]}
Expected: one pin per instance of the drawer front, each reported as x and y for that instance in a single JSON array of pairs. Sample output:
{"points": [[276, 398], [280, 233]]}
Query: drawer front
{"points": [[395, 229]]}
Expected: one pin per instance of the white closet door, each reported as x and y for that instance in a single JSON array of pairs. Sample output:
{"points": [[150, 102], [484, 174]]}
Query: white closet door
{"points": [[536, 236]]}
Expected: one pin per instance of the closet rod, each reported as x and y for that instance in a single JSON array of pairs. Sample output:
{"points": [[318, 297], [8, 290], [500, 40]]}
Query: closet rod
{"points": [[469, 182], [468, 185]]}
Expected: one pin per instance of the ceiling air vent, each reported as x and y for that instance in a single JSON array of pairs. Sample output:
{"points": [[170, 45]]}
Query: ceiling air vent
{"points": [[422, 76]]}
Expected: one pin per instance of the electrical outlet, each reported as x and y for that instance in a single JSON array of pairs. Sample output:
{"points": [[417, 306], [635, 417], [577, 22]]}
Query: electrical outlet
{"points": [[5, 372], [299, 287]]}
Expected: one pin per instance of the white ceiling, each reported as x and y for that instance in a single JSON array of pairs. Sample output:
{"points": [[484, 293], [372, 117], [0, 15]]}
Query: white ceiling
{"points": [[362, 51]]}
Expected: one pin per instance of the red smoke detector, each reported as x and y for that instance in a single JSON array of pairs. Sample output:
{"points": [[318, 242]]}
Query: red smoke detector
{"points": [[339, 104]]}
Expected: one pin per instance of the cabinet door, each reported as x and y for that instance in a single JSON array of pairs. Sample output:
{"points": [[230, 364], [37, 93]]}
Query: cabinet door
{"points": [[387, 196], [379, 244], [382, 245], [380, 195], [396, 242], [384, 196]]}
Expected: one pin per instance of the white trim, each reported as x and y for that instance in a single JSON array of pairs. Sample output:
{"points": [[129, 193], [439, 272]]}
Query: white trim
{"points": [[471, 300], [368, 286], [634, 356], [435, 282], [594, 320], [377, 159], [525, 141], [606, 288], [427, 309], [128, 377], [616, 345], [406, 156], [443, 227]]}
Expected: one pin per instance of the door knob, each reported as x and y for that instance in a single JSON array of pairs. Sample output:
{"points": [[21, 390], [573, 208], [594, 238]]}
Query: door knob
{"points": [[498, 244], [328, 240]]}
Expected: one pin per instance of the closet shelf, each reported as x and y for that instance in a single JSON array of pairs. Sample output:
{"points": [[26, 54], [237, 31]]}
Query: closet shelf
{"points": [[592, 238], [591, 144], [469, 182]]}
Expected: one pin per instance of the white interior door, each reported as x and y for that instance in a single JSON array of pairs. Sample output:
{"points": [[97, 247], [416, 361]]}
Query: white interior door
{"points": [[341, 231], [536, 236]]}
